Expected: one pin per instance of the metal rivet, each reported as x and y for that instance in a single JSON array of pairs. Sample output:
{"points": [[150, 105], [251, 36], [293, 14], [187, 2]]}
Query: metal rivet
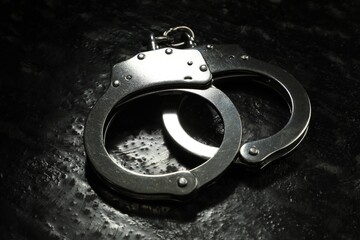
{"points": [[182, 182], [203, 68], [253, 151], [168, 51], [190, 63], [141, 56], [209, 46], [128, 77], [116, 83], [244, 57]]}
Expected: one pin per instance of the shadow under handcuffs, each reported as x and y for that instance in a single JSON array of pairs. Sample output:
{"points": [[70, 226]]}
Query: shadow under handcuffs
{"points": [[262, 112]]}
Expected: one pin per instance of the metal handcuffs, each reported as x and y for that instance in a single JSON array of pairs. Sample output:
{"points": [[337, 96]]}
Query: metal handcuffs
{"points": [[192, 70]]}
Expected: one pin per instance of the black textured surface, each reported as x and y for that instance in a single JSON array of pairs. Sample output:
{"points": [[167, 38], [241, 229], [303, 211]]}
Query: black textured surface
{"points": [[55, 62]]}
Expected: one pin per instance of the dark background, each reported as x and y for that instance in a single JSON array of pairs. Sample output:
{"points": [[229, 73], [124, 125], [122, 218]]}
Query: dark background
{"points": [[56, 59]]}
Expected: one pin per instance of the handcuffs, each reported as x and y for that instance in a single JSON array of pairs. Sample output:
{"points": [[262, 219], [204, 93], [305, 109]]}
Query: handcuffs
{"points": [[192, 70]]}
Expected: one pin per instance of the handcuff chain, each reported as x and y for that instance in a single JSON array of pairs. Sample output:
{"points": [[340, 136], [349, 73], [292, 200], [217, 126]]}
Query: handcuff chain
{"points": [[168, 40]]}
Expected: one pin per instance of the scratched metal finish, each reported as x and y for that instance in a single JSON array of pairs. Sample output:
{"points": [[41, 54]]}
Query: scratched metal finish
{"points": [[55, 63]]}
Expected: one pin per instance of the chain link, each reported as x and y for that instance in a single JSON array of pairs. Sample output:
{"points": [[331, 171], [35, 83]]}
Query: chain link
{"points": [[168, 38]]}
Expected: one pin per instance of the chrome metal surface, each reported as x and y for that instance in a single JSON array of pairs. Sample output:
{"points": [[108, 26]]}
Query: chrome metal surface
{"points": [[167, 70], [159, 67], [166, 186], [260, 152], [148, 74], [181, 137], [116, 83]]}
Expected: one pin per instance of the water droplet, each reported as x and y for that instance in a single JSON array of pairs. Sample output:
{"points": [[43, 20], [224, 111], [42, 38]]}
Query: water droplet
{"points": [[79, 195], [87, 211]]}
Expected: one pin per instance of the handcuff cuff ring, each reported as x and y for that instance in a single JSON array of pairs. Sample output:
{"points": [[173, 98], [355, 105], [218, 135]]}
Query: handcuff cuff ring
{"points": [[148, 77]]}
